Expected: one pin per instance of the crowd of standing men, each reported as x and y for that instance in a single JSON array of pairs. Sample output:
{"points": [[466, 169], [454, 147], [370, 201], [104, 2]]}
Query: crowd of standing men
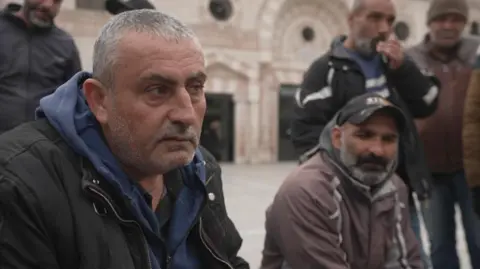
{"points": [[435, 84], [107, 171]]}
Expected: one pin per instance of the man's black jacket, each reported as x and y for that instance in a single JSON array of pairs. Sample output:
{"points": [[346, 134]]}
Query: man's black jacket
{"points": [[335, 78], [56, 212], [33, 63]]}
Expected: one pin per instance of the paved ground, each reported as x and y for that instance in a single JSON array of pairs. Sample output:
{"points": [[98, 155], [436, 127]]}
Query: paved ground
{"points": [[250, 189]]}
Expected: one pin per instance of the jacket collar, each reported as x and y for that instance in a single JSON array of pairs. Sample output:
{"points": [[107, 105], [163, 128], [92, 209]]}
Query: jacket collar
{"points": [[335, 169], [463, 51]]}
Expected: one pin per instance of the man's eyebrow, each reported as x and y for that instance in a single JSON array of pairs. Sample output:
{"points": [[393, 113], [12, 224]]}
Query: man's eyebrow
{"points": [[158, 78], [200, 75], [165, 79]]}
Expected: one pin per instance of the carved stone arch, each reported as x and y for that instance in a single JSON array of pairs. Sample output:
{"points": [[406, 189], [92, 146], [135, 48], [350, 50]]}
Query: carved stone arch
{"points": [[239, 67], [271, 12]]}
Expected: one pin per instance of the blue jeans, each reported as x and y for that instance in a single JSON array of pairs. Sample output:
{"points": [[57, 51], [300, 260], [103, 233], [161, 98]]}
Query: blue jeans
{"points": [[415, 223], [439, 216]]}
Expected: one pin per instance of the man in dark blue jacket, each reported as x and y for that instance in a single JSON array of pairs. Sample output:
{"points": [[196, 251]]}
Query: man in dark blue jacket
{"points": [[35, 58], [111, 175]]}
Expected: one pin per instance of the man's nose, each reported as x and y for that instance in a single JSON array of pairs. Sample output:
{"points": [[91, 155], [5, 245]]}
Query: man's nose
{"points": [[183, 110], [377, 148], [384, 28]]}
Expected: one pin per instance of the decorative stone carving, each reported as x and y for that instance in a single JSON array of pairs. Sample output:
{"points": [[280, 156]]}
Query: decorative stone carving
{"points": [[227, 36], [273, 11], [228, 75], [207, 17], [289, 44]]}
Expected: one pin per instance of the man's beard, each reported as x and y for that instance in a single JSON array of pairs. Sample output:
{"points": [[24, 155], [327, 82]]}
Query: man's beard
{"points": [[369, 169], [363, 46], [367, 47], [30, 15]]}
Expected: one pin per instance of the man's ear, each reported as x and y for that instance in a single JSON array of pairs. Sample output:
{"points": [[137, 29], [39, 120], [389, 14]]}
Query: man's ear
{"points": [[336, 136], [97, 99]]}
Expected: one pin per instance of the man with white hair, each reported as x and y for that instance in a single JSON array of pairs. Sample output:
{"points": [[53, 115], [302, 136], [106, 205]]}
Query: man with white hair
{"points": [[111, 175]]}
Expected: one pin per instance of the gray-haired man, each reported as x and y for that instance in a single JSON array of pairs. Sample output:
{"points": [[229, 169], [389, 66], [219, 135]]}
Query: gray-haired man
{"points": [[111, 175]]}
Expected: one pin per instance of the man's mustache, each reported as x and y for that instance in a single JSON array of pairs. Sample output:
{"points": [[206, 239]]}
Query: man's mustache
{"points": [[42, 9], [180, 133], [447, 33], [372, 159]]}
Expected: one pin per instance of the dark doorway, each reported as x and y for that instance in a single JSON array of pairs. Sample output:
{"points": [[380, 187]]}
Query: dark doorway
{"points": [[286, 151], [218, 126]]}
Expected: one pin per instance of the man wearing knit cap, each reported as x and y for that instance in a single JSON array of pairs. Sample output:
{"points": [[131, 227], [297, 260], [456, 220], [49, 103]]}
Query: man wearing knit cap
{"points": [[450, 57], [368, 59]]}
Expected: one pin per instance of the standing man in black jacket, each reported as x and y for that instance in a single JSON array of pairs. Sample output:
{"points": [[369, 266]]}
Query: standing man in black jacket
{"points": [[369, 59], [111, 175], [35, 58]]}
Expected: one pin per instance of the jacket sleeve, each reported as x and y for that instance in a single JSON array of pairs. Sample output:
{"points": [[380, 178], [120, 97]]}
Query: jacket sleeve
{"points": [[305, 230], [74, 63], [412, 246], [314, 106], [471, 131], [418, 89], [24, 243]]}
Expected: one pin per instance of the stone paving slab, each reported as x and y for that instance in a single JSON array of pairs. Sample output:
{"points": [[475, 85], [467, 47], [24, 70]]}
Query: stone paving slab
{"points": [[249, 189]]}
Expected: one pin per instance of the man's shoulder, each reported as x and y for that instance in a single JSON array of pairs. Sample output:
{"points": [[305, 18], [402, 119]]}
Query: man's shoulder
{"points": [[322, 62], [31, 156], [29, 166], [401, 187], [31, 138], [314, 179]]}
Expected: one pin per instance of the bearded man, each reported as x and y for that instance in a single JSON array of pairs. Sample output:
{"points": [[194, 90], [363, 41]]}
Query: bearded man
{"points": [[369, 59], [35, 58], [345, 207]]}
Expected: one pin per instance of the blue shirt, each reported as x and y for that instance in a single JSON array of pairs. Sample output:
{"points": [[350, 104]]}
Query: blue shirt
{"points": [[373, 70]]}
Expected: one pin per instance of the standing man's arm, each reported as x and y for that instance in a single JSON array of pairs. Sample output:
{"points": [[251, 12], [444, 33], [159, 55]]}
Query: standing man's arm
{"points": [[419, 90], [314, 106], [74, 63], [302, 224], [24, 242], [471, 134]]}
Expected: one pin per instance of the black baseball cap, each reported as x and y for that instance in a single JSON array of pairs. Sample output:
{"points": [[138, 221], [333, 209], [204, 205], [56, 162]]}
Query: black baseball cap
{"points": [[362, 107]]}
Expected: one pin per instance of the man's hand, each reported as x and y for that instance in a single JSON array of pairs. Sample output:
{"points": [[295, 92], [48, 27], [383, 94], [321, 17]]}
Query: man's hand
{"points": [[393, 50]]}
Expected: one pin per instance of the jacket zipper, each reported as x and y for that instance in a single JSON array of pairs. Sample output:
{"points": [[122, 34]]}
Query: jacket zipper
{"points": [[210, 249], [144, 240], [369, 233], [27, 82]]}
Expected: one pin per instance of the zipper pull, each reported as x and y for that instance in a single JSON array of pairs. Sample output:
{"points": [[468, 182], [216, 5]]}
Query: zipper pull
{"points": [[167, 262]]}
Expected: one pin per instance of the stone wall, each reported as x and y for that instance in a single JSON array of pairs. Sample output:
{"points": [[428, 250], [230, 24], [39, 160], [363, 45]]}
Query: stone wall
{"points": [[250, 55]]}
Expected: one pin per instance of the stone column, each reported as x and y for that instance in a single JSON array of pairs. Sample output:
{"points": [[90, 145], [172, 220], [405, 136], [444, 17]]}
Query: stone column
{"points": [[268, 140]]}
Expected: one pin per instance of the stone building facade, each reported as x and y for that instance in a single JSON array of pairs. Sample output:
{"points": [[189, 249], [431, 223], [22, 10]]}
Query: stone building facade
{"points": [[263, 44]]}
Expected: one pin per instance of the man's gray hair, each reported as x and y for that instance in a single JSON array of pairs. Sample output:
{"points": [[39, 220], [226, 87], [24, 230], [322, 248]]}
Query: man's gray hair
{"points": [[141, 21], [356, 6]]}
